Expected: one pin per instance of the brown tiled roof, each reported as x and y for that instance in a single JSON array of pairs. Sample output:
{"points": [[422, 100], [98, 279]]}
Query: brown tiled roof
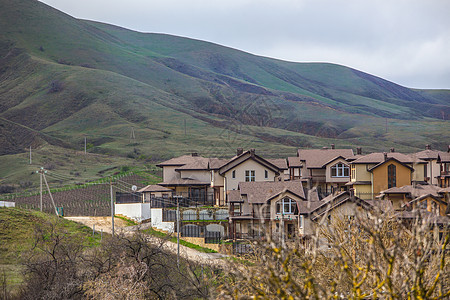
{"points": [[317, 158], [388, 160], [234, 196], [294, 162], [334, 200], [216, 163], [377, 157], [183, 181], [444, 190], [426, 154], [154, 188], [280, 163], [183, 160], [444, 157], [415, 191], [261, 192]]}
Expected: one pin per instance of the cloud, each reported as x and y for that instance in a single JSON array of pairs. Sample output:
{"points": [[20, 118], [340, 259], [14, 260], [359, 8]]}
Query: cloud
{"points": [[405, 41]]}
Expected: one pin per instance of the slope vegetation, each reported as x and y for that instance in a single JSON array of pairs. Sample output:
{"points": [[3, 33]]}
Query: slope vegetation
{"points": [[62, 79]]}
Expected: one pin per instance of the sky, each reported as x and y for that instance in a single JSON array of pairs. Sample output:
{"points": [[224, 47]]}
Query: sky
{"points": [[404, 41]]}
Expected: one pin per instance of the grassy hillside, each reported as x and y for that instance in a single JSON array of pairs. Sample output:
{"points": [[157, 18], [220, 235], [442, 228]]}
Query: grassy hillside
{"points": [[63, 79], [17, 228]]}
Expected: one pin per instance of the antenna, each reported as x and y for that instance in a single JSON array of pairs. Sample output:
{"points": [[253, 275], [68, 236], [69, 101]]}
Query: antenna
{"points": [[134, 188]]}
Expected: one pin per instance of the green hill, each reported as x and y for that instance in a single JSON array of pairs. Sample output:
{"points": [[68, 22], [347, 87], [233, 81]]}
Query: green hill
{"points": [[62, 79], [17, 232]]}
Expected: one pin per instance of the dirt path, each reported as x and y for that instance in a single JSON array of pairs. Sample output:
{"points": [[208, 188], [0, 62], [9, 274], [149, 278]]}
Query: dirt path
{"points": [[104, 223]]}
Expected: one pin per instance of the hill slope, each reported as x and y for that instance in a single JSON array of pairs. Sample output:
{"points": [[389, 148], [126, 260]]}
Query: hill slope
{"points": [[63, 78]]}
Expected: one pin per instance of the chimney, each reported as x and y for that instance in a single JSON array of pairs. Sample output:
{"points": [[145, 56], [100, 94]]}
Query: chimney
{"points": [[385, 156], [239, 151], [332, 146], [194, 154], [359, 151], [427, 147], [392, 150], [252, 151]]}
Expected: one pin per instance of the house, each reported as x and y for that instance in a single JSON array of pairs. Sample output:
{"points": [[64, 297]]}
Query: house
{"points": [[375, 172], [444, 166], [326, 169], [189, 176], [260, 208], [412, 197], [247, 166], [156, 195], [432, 170]]}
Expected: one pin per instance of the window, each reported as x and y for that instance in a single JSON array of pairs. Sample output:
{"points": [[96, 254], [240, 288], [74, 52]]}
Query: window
{"points": [[340, 170], [266, 174], [287, 206], [392, 176], [301, 221], [233, 174], [353, 172], [425, 171], [250, 175]]}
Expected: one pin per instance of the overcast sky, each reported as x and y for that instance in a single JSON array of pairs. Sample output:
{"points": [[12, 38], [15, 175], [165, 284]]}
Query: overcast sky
{"points": [[404, 41]]}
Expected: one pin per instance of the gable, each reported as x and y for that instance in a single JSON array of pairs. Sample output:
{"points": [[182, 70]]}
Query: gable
{"points": [[232, 164]]}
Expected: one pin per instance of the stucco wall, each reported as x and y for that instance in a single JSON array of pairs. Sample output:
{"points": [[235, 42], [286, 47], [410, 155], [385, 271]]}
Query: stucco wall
{"points": [[169, 173], [361, 172], [157, 221], [232, 184], [380, 176], [134, 211], [204, 176], [329, 178]]}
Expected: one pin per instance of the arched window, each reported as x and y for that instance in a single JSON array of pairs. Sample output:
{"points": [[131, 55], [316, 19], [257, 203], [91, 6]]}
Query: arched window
{"points": [[392, 176], [340, 170], [287, 206]]}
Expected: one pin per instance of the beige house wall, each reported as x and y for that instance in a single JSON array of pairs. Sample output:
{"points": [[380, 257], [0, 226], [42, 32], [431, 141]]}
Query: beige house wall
{"points": [[169, 173], [232, 183], [201, 175], [418, 174], [328, 176]]}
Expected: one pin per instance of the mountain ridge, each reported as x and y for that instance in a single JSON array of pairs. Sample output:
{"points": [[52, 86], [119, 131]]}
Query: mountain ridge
{"points": [[56, 70]]}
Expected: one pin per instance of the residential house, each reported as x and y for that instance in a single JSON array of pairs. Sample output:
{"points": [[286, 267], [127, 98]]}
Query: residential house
{"points": [[326, 169], [375, 172], [260, 208], [427, 197], [247, 166], [432, 170], [189, 177], [444, 166]]}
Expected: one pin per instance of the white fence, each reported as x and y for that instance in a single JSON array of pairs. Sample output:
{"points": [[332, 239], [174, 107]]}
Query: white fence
{"points": [[7, 204]]}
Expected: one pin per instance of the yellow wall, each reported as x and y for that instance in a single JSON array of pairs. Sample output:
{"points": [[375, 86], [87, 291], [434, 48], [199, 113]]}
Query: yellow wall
{"points": [[361, 172], [380, 176], [418, 174]]}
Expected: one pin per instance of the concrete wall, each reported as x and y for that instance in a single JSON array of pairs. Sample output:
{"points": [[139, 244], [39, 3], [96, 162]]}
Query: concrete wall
{"points": [[7, 204], [134, 211], [157, 221]]}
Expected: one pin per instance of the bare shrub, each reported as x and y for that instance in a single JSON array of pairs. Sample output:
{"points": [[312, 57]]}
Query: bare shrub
{"points": [[370, 256]]}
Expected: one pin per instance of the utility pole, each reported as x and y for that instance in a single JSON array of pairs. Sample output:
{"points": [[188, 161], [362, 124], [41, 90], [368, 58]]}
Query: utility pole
{"points": [[184, 127], [30, 155], [42, 172], [84, 144], [178, 231], [112, 206]]}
